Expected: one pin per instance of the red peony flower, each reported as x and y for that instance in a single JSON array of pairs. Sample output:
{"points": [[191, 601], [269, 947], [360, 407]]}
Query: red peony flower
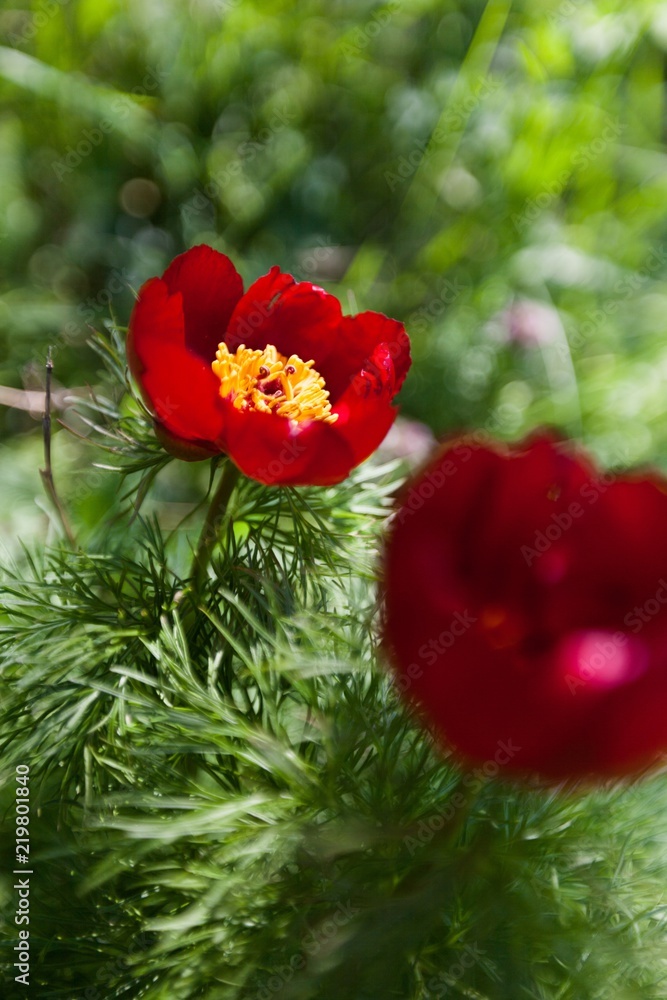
{"points": [[293, 391], [526, 608]]}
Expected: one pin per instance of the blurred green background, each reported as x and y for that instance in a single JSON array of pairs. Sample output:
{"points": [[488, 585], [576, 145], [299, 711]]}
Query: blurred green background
{"points": [[493, 174]]}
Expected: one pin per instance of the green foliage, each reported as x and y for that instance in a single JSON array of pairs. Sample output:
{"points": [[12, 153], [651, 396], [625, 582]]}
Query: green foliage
{"points": [[219, 802], [228, 799]]}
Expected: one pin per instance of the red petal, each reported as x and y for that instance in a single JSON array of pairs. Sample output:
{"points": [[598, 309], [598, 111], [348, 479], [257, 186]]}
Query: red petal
{"points": [[357, 339], [365, 413], [211, 287], [185, 395], [278, 451], [157, 319], [252, 310], [296, 317], [178, 386]]}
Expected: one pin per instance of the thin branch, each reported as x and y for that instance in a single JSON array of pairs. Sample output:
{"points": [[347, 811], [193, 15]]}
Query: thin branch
{"points": [[33, 400], [47, 472]]}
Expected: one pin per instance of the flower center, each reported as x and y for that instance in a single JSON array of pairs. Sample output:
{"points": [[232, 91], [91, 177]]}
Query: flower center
{"points": [[269, 382]]}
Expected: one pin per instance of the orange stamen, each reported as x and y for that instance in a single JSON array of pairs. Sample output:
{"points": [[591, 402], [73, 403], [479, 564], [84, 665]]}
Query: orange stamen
{"points": [[269, 382]]}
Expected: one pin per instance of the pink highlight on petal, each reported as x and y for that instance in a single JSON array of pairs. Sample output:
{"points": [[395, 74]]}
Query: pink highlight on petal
{"points": [[600, 660]]}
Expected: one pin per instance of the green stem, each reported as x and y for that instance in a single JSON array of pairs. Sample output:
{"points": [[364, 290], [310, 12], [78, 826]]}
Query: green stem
{"points": [[214, 518]]}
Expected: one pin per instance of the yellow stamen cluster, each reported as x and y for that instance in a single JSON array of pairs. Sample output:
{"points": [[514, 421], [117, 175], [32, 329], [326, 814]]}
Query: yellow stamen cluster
{"points": [[269, 382]]}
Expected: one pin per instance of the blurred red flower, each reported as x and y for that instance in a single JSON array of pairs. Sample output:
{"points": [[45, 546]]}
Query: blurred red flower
{"points": [[293, 391], [526, 608]]}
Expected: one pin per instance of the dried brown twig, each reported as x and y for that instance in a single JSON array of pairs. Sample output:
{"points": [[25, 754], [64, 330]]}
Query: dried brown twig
{"points": [[47, 472]]}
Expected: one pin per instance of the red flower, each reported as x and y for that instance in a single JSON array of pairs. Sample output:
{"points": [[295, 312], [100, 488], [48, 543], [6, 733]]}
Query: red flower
{"points": [[293, 391], [526, 608]]}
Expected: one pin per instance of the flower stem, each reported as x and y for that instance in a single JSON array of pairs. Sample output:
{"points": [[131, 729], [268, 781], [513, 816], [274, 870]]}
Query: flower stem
{"points": [[214, 518]]}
